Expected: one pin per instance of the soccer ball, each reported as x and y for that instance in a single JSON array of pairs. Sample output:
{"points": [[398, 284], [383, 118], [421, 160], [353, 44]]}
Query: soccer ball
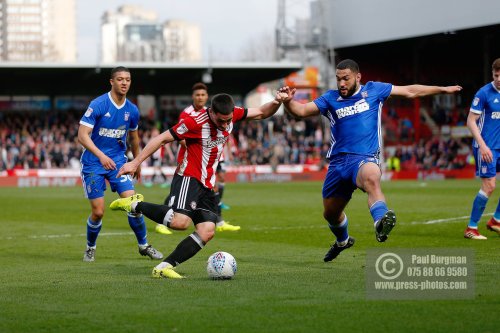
{"points": [[221, 265]]}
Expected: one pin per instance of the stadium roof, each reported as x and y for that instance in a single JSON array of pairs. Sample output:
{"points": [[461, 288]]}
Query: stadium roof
{"points": [[148, 78], [389, 20]]}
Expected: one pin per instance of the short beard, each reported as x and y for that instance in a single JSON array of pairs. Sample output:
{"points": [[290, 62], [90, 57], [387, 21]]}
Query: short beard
{"points": [[351, 91]]}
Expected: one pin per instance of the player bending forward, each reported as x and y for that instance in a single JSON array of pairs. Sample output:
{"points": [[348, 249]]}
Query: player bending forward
{"points": [[192, 198]]}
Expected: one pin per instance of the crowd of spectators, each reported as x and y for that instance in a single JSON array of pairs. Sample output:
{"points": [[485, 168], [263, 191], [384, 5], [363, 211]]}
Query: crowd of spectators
{"points": [[29, 140], [436, 153]]}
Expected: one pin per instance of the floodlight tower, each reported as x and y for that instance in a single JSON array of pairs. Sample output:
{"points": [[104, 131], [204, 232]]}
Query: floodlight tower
{"points": [[309, 40], [285, 37]]}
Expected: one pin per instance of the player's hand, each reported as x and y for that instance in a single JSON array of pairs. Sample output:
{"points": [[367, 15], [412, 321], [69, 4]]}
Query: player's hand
{"points": [[286, 93], [280, 97], [127, 169], [452, 89], [107, 163], [137, 173], [486, 154]]}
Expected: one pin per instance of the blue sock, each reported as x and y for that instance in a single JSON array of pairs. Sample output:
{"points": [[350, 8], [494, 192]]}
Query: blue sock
{"points": [[93, 229], [478, 207], [139, 227], [378, 210], [340, 230], [497, 212]]}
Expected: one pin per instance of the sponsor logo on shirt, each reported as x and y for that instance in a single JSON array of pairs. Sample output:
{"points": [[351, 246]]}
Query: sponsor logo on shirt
{"points": [[88, 112], [358, 107], [107, 115], [112, 132], [495, 115], [216, 142], [496, 100]]}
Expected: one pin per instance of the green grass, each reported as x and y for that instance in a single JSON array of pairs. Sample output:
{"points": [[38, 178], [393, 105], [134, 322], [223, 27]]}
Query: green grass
{"points": [[281, 285]]}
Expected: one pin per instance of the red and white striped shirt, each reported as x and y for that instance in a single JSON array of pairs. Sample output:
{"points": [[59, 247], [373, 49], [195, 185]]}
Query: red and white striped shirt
{"points": [[205, 143]]}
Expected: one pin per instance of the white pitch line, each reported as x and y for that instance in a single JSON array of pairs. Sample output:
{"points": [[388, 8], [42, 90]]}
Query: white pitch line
{"points": [[112, 234], [451, 219], [69, 235], [104, 234]]}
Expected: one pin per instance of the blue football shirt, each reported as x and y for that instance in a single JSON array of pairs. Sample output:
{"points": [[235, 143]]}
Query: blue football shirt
{"points": [[486, 103], [110, 124], [355, 121]]}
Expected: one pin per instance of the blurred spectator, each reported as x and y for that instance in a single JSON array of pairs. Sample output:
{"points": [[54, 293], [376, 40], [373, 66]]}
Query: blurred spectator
{"points": [[393, 163], [406, 129]]}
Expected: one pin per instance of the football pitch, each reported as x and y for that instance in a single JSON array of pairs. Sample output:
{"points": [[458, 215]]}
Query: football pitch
{"points": [[282, 283]]}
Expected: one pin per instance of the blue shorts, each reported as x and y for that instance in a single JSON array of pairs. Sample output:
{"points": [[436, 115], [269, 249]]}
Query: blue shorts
{"points": [[343, 169], [94, 182], [487, 170]]}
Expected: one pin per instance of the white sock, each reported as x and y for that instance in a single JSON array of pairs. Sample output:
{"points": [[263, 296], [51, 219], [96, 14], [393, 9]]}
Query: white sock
{"points": [[143, 246], [220, 223], [133, 205], [168, 217], [344, 243], [163, 265]]}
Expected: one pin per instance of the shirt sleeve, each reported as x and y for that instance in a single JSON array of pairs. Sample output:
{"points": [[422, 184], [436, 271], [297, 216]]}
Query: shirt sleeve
{"points": [[239, 114], [91, 116], [384, 90], [322, 102], [477, 105], [185, 128]]}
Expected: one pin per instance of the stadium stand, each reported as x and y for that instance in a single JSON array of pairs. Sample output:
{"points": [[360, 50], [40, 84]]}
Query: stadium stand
{"points": [[46, 140]]}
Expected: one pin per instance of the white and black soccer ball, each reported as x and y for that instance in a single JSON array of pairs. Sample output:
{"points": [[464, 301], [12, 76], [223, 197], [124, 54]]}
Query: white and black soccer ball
{"points": [[221, 265]]}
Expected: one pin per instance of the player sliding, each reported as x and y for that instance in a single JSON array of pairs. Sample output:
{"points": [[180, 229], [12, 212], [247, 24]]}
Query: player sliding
{"points": [[354, 112], [192, 198]]}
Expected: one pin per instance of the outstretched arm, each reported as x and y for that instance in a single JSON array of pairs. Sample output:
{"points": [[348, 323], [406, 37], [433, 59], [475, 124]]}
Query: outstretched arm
{"points": [[267, 110], [152, 146], [419, 90], [295, 108]]}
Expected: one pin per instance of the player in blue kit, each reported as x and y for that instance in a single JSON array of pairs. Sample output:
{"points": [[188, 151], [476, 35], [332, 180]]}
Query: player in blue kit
{"points": [[484, 124], [354, 112], [103, 133]]}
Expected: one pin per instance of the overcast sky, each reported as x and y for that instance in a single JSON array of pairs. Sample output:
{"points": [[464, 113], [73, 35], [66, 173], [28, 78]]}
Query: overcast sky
{"points": [[226, 25]]}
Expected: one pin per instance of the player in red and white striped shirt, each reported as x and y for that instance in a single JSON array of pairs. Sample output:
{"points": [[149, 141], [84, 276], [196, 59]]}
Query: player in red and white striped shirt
{"points": [[199, 97], [192, 199]]}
